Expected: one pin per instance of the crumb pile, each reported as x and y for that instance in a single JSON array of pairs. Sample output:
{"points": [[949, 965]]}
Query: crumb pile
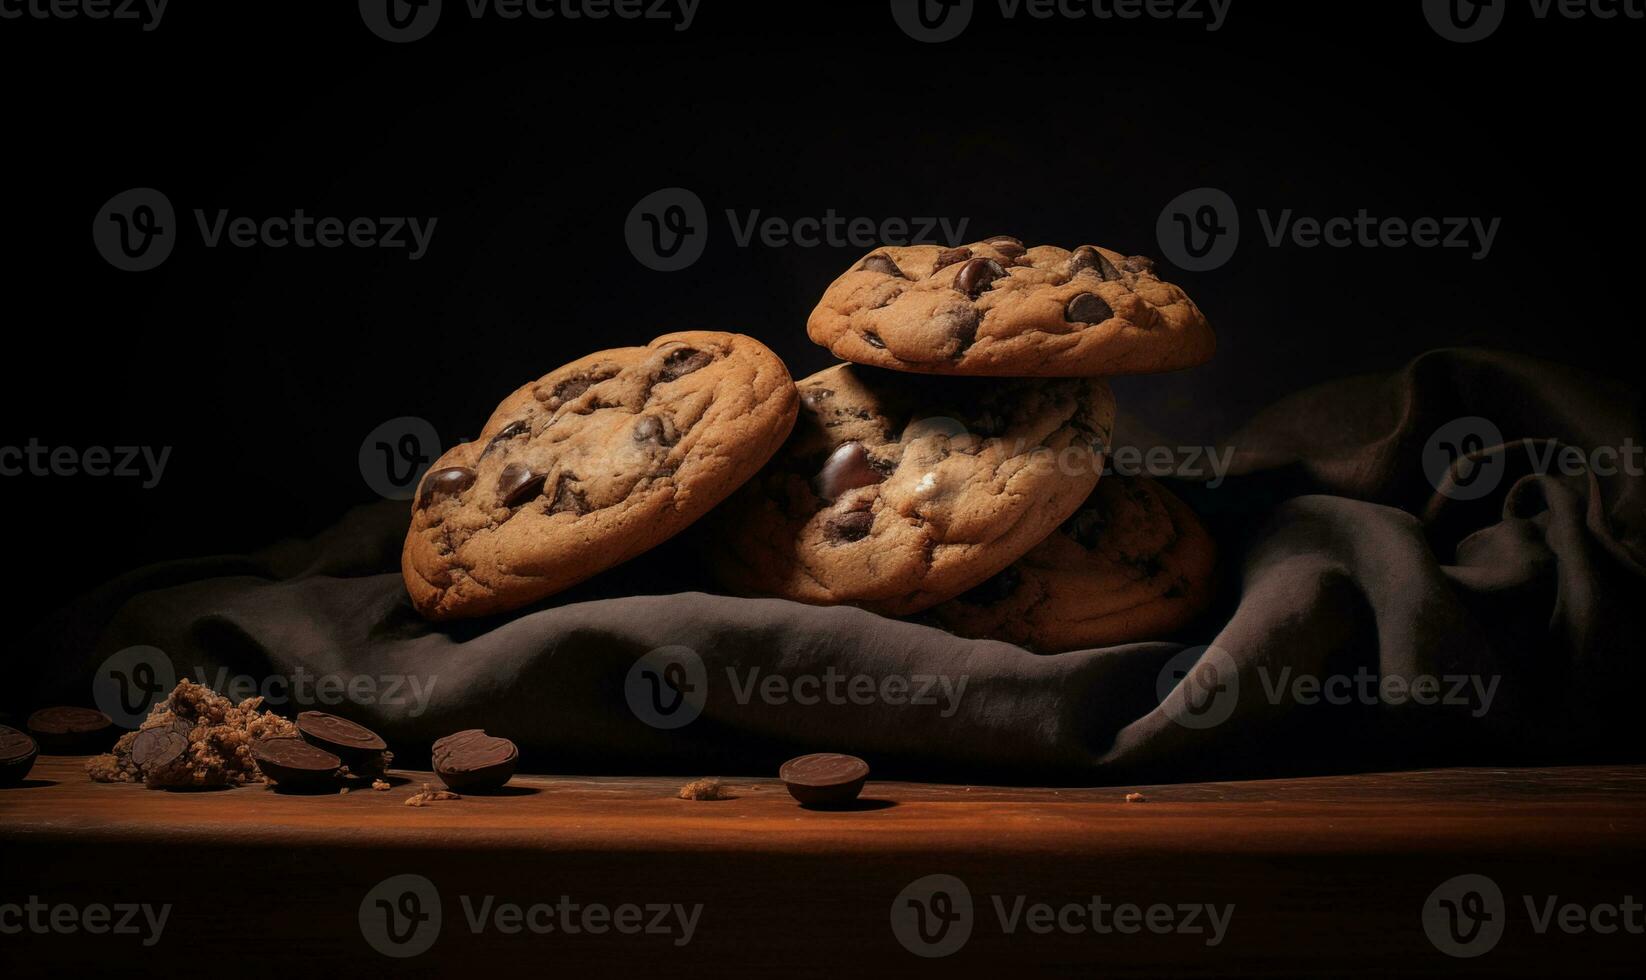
{"points": [[218, 733], [704, 789]]}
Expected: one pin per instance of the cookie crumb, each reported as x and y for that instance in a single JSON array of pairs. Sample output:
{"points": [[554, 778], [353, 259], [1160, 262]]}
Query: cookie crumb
{"points": [[343, 792], [380, 785], [1136, 798], [428, 794], [704, 789], [218, 735]]}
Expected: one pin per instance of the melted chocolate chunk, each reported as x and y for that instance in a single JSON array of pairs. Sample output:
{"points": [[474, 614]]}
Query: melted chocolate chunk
{"points": [[950, 256], [518, 484], [448, 482], [1138, 263], [682, 362], [847, 468], [1086, 527], [976, 276], [1007, 246], [1089, 259], [882, 263], [874, 340], [848, 527], [815, 397], [513, 430], [1087, 308], [570, 388], [568, 498]]}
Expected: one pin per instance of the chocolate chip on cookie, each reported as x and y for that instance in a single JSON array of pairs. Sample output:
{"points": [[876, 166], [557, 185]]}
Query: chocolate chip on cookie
{"points": [[899, 491], [591, 465], [1133, 564], [997, 308]]}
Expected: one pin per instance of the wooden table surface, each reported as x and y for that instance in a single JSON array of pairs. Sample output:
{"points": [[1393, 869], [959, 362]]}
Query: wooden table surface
{"points": [[1311, 876]]}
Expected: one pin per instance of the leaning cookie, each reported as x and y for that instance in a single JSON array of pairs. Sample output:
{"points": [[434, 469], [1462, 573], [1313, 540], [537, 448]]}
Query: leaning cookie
{"points": [[591, 465], [897, 491], [998, 309], [1133, 564]]}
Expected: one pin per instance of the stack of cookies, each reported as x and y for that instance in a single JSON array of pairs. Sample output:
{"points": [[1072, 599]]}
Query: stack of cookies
{"points": [[951, 468]]}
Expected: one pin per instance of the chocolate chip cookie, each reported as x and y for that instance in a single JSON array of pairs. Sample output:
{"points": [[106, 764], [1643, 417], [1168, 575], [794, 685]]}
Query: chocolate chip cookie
{"points": [[591, 465], [999, 309], [899, 491], [1134, 563]]}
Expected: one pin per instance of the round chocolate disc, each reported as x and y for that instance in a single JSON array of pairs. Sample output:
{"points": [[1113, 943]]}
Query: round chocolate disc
{"points": [[292, 762], [71, 729], [824, 778], [157, 748], [338, 734], [473, 760], [17, 754]]}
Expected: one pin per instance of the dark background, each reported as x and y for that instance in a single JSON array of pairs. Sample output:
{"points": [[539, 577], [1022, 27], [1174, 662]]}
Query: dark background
{"points": [[530, 141]]}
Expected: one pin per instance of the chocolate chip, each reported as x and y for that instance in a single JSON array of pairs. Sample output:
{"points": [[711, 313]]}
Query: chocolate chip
{"points": [[882, 263], [17, 755], [682, 362], [848, 527], [976, 275], [874, 340], [815, 397], [568, 498], [157, 748], [1007, 246], [1086, 527], [996, 589], [570, 388], [847, 468], [352, 743], [1087, 308], [950, 256], [448, 482], [513, 430], [960, 322], [1138, 263], [1088, 258], [71, 730], [824, 778], [473, 761], [518, 484], [293, 764]]}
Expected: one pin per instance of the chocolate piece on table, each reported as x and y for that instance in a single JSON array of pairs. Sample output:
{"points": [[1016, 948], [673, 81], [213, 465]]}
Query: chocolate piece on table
{"points": [[157, 748], [292, 763], [824, 778], [69, 730], [17, 755], [473, 761], [359, 747]]}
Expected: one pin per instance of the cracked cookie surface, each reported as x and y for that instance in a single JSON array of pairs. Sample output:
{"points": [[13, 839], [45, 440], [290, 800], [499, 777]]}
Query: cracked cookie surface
{"points": [[1134, 563], [998, 309], [591, 465], [899, 491]]}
